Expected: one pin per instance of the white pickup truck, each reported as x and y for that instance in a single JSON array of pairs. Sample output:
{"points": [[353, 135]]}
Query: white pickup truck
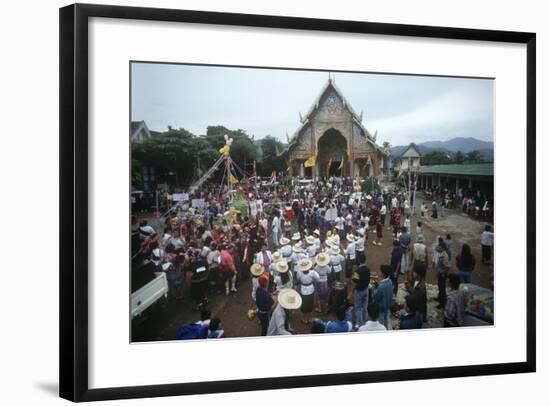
{"points": [[149, 293]]}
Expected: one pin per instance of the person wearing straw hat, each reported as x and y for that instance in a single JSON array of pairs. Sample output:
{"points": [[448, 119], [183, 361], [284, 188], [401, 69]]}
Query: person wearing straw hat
{"points": [[279, 324], [297, 255], [350, 255], [310, 249], [257, 271], [283, 279], [275, 257], [286, 249], [322, 261], [296, 237], [306, 279], [336, 261]]}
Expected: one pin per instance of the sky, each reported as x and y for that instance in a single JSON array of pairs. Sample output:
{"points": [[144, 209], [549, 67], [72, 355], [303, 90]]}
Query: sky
{"points": [[401, 108]]}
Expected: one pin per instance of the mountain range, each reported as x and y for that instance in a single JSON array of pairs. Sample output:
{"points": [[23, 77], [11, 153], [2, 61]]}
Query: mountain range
{"points": [[453, 145]]}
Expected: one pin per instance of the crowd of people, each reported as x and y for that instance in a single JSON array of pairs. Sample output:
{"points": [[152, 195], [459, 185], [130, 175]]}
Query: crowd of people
{"points": [[304, 247]]}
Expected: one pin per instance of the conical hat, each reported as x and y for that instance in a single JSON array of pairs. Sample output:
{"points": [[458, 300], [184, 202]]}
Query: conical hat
{"points": [[289, 299]]}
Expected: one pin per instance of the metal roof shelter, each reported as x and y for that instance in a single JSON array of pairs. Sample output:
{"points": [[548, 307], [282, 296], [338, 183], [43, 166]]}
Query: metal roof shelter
{"points": [[485, 169]]}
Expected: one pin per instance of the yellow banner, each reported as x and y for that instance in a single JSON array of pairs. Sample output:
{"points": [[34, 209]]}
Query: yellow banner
{"points": [[310, 162], [233, 179]]}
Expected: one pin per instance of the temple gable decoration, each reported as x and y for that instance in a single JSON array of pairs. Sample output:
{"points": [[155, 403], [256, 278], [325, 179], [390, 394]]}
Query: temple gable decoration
{"points": [[334, 134]]}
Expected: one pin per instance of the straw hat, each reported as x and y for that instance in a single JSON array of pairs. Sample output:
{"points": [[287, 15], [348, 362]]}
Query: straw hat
{"points": [[334, 250], [296, 237], [317, 233], [257, 269], [276, 256], [284, 241], [289, 299], [297, 247], [329, 233], [305, 265], [310, 240], [361, 231], [282, 266], [350, 238], [322, 259]]}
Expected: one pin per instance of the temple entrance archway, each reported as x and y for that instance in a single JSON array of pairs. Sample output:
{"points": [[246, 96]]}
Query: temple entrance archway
{"points": [[332, 156]]}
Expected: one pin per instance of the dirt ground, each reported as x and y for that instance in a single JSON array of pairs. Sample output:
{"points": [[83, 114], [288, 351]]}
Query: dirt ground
{"points": [[161, 322]]}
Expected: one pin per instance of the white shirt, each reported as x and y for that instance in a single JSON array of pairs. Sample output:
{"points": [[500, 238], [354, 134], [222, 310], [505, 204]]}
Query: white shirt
{"points": [[306, 281], [487, 238], [317, 244], [350, 251], [383, 209], [348, 219], [260, 257], [277, 322], [339, 223], [394, 202], [276, 225], [311, 251], [336, 239], [372, 326], [336, 262], [279, 284], [360, 244], [286, 252], [323, 272]]}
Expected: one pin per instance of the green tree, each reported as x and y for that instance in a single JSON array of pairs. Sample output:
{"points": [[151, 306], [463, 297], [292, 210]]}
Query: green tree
{"points": [[243, 149], [436, 157], [175, 155], [474, 157], [459, 157], [270, 161]]}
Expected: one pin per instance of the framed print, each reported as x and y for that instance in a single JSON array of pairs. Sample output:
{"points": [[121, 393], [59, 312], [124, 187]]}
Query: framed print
{"points": [[309, 192]]}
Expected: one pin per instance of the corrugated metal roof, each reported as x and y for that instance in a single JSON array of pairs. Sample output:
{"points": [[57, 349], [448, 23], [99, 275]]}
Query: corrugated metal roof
{"points": [[464, 169]]}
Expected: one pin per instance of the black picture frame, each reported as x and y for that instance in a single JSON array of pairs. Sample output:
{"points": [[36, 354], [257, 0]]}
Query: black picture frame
{"points": [[73, 281]]}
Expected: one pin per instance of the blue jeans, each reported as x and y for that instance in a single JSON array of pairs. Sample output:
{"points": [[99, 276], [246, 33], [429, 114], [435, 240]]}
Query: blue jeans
{"points": [[465, 277], [383, 319], [361, 301]]}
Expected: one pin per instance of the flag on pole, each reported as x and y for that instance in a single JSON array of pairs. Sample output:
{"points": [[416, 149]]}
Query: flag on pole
{"points": [[233, 179], [400, 170], [273, 178], [310, 162]]}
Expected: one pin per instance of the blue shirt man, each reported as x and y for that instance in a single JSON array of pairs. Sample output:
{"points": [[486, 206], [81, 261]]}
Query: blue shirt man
{"points": [[342, 325]]}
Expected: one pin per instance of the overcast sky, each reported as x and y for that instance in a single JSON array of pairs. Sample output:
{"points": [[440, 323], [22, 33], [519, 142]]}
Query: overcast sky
{"points": [[264, 102]]}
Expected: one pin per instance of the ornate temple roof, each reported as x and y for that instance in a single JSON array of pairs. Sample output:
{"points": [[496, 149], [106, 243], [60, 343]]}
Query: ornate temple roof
{"points": [[357, 118]]}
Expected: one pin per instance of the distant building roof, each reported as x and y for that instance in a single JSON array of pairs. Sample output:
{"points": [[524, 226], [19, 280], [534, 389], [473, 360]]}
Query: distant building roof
{"points": [[485, 169], [409, 151]]}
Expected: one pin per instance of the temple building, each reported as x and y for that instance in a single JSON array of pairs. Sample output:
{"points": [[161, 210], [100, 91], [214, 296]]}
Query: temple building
{"points": [[332, 141]]}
